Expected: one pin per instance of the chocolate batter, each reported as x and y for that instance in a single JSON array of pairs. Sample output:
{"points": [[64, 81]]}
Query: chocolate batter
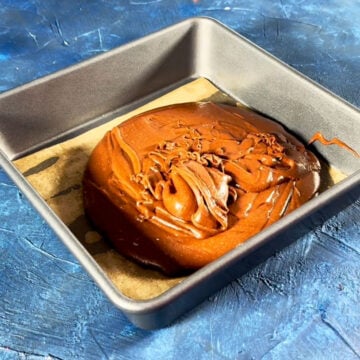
{"points": [[179, 186]]}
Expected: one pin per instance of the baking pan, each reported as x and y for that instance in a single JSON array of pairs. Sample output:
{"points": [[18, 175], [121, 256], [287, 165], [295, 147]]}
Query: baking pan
{"points": [[65, 104]]}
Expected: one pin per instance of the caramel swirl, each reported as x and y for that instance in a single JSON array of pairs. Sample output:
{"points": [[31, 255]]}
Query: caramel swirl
{"points": [[188, 183], [185, 188], [193, 172]]}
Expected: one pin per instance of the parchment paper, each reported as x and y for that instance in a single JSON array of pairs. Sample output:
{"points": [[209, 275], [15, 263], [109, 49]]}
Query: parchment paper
{"points": [[56, 173]]}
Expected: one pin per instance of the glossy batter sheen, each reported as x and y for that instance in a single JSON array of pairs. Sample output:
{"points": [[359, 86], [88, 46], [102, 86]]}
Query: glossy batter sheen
{"points": [[179, 186]]}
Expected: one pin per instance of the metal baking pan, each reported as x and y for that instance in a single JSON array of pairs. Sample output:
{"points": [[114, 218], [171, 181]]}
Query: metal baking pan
{"points": [[62, 105]]}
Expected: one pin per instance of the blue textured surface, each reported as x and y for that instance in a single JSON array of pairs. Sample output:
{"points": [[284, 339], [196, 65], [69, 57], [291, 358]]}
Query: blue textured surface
{"points": [[303, 303]]}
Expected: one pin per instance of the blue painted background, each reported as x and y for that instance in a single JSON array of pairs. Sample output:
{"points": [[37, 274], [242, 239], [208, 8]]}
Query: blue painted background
{"points": [[303, 303]]}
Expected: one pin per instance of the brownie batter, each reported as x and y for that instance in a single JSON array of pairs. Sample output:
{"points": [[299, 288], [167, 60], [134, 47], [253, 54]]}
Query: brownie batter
{"points": [[179, 186]]}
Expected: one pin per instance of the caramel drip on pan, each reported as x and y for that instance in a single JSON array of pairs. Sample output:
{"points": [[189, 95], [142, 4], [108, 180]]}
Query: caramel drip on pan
{"points": [[334, 141]]}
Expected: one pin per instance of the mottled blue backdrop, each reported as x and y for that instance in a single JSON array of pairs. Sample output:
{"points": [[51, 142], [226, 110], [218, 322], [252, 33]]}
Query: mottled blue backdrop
{"points": [[303, 303]]}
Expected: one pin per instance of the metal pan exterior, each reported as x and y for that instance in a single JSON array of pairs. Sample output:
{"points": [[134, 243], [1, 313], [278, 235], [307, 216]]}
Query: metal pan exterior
{"points": [[88, 94]]}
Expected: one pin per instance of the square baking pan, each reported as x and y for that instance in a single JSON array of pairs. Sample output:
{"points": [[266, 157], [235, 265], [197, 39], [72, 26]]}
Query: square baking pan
{"points": [[60, 106]]}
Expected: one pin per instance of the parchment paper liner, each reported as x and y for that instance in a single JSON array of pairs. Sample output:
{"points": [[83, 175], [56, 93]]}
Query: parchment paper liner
{"points": [[56, 173]]}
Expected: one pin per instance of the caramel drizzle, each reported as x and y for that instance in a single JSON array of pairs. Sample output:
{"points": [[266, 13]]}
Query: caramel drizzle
{"points": [[334, 141]]}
